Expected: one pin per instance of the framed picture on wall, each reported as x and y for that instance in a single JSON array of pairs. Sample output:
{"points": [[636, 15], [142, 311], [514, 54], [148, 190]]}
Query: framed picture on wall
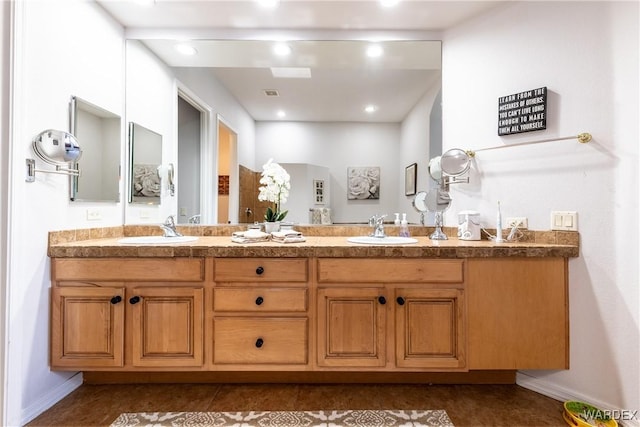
{"points": [[363, 183], [410, 175]]}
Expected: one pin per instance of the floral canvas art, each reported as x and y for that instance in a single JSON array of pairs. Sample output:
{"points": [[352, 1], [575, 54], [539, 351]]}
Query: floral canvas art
{"points": [[146, 181], [363, 183]]}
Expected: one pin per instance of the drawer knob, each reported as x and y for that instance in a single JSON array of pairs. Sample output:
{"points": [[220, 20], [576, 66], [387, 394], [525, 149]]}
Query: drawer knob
{"points": [[116, 299], [382, 300], [259, 342], [134, 300], [259, 270], [400, 300], [259, 301]]}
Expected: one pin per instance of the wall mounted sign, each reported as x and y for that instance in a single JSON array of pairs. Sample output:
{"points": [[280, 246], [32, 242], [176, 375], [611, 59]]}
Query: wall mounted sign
{"points": [[522, 112]]}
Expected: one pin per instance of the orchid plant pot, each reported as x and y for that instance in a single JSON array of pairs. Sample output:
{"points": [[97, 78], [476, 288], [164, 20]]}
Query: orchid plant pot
{"points": [[270, 227]]}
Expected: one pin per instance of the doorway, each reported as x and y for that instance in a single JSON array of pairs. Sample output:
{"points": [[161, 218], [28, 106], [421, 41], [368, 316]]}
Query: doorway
{"points": [[189, 150], [227, 139]]}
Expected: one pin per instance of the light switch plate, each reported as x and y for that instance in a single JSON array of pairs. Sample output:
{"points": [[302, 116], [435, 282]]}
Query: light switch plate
{"points": [[564, 220]]}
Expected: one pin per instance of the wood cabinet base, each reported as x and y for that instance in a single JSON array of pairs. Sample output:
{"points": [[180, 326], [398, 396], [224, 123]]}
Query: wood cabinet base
{"points": [[471, 377]]}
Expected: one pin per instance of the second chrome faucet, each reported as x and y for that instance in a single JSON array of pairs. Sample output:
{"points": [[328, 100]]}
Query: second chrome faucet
{"points": [[169, 227], [377, 222]]}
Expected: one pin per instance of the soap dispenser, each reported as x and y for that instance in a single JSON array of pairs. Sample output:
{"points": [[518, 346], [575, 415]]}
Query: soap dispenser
{"points": [[404, 226], [397, 220]]}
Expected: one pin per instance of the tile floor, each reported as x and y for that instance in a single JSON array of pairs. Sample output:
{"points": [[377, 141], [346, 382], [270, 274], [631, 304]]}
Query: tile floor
{"points": [[466, 405]]}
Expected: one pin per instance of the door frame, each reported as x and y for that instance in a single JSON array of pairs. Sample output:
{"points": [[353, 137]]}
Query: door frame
{"points": [[234, 184], [208, 150]]}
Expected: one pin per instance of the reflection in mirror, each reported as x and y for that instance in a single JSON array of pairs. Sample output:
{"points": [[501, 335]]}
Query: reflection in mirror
{"points": [[438, 201], [145, 159], [339, 80], [98, 131], [57, 147]]}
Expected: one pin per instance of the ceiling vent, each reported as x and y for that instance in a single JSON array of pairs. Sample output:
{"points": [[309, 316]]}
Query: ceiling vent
{"points": [[271, 92]]}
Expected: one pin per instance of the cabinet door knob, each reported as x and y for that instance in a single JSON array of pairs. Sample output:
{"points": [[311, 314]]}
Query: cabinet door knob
{"points": [[382, 300], [116, 299], [259, 270], [134, 300], [400, 300], [259, 301], [259, 342]]}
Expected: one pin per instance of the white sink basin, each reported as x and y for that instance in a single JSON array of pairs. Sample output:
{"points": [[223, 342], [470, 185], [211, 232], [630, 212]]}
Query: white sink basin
{"points": [[387, 240], [156, 240]]}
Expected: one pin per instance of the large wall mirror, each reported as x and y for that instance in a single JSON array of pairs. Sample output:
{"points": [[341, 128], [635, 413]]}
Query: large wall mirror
{"points": [[324, 86], [145, 159], [99, 133]]}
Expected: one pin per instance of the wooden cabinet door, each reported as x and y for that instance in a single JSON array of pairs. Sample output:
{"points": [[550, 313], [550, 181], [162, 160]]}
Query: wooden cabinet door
{"points": [[167, 326], [430, 328], [87, 327], [351, 327], [518, 313]]}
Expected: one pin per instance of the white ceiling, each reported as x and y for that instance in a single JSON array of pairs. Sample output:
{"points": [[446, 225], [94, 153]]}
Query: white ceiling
{"points": [[234, 40]]}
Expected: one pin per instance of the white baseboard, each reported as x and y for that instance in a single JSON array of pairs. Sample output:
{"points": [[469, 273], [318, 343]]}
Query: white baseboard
{"points": [[563, 394], [51, 398]]}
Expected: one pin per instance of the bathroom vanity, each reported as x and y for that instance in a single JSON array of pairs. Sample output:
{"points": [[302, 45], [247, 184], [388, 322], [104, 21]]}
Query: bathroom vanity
{"points": [[453, 308]]}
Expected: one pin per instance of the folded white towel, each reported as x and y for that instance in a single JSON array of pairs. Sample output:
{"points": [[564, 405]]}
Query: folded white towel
{"points": [[249, 236], [285, 234], [289, 239]]}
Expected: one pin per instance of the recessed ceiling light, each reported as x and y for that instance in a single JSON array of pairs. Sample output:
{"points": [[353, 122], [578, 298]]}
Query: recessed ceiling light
{"points": [[268, 3], [282, 49], [281, 114], [186, 49], [374, 51], [370, 109], [389, 3]]}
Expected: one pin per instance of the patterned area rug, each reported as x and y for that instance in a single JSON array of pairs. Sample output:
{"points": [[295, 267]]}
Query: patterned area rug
{"points": [[356, 418]]}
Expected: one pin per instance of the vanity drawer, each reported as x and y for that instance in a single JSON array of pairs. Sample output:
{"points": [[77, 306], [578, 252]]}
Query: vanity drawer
{"points": [[399, 270], [260, 299], [128, 269], [260, 341], [260, 270]]}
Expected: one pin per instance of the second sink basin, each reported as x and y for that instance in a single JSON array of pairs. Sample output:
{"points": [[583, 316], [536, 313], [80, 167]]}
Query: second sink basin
{"points": [[156, 240], [387, 240]]}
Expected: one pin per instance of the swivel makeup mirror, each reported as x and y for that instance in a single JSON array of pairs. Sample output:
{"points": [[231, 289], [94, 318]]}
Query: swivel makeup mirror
{"points": [[420, 204], [57, 147], [455, 163], [445, 170]]}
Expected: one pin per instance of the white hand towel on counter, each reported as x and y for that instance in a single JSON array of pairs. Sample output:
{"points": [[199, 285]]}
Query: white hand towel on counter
{"points": [[287, 236], [249, 236]]}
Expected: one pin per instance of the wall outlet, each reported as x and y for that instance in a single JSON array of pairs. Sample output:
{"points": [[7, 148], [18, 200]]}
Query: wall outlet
{"points": [[144, 214], [521, 221], [564, 220], [94, 215]]}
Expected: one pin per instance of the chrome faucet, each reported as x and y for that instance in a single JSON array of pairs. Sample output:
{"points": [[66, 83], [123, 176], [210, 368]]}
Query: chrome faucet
{"points": [[377, 222], [169, 227]]}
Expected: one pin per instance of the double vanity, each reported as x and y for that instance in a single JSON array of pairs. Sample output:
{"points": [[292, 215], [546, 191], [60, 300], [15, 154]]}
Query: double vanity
{"points": [[326, 309]]}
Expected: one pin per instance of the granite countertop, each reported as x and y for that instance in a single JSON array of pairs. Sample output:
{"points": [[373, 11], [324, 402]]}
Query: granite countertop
{"points": [[321, 241]]}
